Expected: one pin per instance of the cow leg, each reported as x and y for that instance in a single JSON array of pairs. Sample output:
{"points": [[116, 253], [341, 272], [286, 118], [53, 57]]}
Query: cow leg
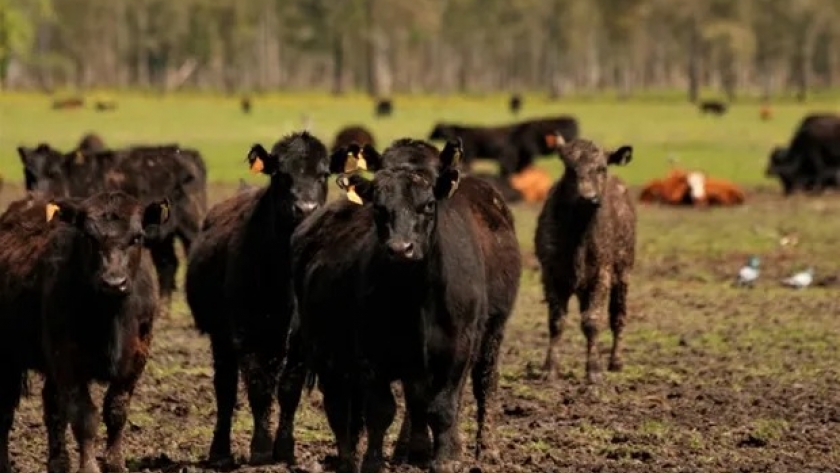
{"points": [[414, 444], [594, 303], [260, 373], [55, 419], [618, 314], [558, 308], [443, 414], [225, 384], [166, 263], [342, 406], [115, 414], [83, 418], [289, 391], [10, 389], [485, 380], [380, 409]]}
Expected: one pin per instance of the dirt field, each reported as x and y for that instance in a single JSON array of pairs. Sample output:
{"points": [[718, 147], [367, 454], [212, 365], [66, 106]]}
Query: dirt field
{"points": [[716, 379]]}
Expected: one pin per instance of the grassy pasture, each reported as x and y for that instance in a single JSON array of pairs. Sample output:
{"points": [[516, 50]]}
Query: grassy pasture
{"points": [[715, 378]]}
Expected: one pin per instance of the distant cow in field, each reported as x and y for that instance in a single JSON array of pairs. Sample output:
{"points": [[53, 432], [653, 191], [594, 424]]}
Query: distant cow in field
{"points": [[714, 107], [812, 159], [78, 300], [239, 287], [353, 134], [105, 105], [384, 108], [515, 104], [692, 188], [245, 105], [585, 242], [147, 173], [533, 183], [68, 103], [481, 142], [433, 245], [765, 112], [91, 143]]}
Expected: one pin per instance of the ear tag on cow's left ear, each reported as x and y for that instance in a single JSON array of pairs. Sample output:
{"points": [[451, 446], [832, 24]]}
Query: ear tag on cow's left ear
{"points": [[351, 163], [361, 162], [164, 212], [52, 209], [80, 158], [454, 186], [352, 196], [257, 166]]}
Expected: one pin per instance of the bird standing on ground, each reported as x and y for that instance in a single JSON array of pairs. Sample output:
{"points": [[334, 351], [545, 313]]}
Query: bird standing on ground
{"points": [[749, 273], [800, 280]]}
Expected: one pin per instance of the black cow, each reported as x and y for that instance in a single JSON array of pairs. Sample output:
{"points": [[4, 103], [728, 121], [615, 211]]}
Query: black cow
{"points": [[78, 299], [812, 159], [488, 142], [515, 104], [529, 137], [714, 107], [447, 261], [238, 283], [384, 108]]}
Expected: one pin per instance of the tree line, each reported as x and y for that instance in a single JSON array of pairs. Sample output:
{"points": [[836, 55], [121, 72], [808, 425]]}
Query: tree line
{"points": [[755, 47]]}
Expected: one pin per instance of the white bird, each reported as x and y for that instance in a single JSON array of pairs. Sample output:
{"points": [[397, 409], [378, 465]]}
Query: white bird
{"points": [[801, 279], [749, 273]]}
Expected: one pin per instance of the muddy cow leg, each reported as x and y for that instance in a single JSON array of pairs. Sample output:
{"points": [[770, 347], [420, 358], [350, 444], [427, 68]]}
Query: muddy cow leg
{"points": [[83, 418], [225, 384], [166, 263], [618, 316], [380, 409], [260, 372], [11, 381], [558, 308], [55, 419], [594, 302], [414, 445], [443, 415], [343, 408], [485, 380], [289, 390]]}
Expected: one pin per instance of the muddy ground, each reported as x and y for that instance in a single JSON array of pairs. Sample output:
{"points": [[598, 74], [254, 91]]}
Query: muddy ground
{"points": [[715, 378]]}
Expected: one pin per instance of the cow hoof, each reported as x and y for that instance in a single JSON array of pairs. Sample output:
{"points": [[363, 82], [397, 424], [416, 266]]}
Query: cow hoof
{"points": [[115, 466], [89, 467], [220, 461], [373, 465], [615, 365], [56, 465], [284, 451]]}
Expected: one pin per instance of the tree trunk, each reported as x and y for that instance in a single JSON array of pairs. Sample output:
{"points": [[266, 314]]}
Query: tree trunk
{"points": [[693, 63], [338, 64]]}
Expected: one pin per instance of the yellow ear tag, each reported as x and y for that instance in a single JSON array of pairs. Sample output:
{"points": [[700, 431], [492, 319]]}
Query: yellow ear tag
{"points": [[454, 186], [352, 196], [164, 213], [457, 157], [80, 158], [257, 166], [351, 163], [361, 163], [52, 209]]}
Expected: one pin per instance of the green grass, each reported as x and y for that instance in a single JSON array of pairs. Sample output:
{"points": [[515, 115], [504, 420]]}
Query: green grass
{"points": [[734, 146]]}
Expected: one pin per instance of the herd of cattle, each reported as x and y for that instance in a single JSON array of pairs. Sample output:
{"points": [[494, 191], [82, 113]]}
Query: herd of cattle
{"points": [[410, 277]]}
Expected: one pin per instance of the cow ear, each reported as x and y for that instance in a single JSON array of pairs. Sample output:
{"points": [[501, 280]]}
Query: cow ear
{"points": [[259, 161], [447, 183], [359, 190], [354, 157], [621, 156], [156, 213], [65, 211], [452, 153], [24, 155]]}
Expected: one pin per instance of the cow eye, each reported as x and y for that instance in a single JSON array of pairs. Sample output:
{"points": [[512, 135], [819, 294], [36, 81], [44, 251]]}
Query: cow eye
{"points": [[429, 207], [136, 239]]}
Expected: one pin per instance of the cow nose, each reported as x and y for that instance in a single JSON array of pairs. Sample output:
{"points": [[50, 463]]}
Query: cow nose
{"points": [[592, 200], [115, 283], [306, 207], [402, 248]]}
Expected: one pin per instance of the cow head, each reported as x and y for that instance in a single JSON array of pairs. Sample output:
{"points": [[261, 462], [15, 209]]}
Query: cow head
{"points": [[405, 196], [585, 177], [299, 169], [777, 161], [44, 170], [114, 225]]}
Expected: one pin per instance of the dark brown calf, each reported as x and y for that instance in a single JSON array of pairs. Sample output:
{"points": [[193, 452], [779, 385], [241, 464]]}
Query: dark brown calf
{"points": [[585, 242], [77, 303], [353, 134]]}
